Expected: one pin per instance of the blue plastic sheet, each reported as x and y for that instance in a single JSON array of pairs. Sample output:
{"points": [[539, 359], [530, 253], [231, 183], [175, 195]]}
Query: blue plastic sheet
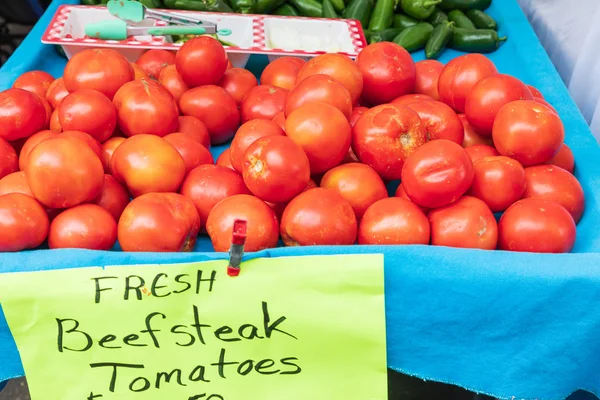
{"points": [[505, 324]]}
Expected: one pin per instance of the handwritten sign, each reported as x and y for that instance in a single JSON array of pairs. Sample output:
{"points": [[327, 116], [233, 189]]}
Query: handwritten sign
{"points": [[286, 328]]}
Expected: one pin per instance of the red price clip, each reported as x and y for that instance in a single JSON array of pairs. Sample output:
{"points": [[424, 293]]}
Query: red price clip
{"points": [[236, 251]]}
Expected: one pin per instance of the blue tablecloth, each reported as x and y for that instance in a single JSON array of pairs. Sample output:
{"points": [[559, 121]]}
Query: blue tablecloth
{"points": [[505, 324]]}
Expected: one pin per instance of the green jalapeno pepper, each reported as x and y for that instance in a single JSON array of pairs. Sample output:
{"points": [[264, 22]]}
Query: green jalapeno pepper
{"points": [[403, 21], [465, 4], [266, 6], [439, 40], [287, 10], [308, 8], [419, 9], [415, 37], [386, 35], [328, 10], [201, 5], [243, 6], [437, 17], [90, 2], [476, 40], [481, 20], [360, 10], [460, 20], [383, 15]]}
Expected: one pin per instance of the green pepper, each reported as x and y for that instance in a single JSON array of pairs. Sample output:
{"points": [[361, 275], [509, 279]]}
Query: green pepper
{"points": [[481, 20], [199, 5], [419, 9], [149, 3], [328, 10], [439, 40], [338, 5], [308, 8], [460, 20], [383, 15], [243, 6], [386, 35], [266, 6], [90, 2], [287, 10], [476, 40], [415, 37], [360, 10], [437, 17], [403, 21], [465, 4]]}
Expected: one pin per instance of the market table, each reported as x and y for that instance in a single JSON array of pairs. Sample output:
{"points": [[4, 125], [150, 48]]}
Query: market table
{"points": [[505, 324]]}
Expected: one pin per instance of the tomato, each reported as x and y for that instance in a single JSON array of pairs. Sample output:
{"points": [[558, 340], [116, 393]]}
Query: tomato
{"points": [[401, 193], [247, 134], [138, 72], [564, 159], [215, 108], [55, 122], [318, 217], [460, 75], [280, 120], [207, 185], [30, 143], [86, 226], [22, 114], [499, 181], [191, 150], [393, 221], [439, 121], [544, 102], [535, 92], [319, 88], [388, 71], [23, 222], [56, 92], [471, 137], [238, 82], [113, 198], [154, 61], [262, 229], [537, 225], [224, 160], [350, 157], [385, 135], [488, 96], [49, 112], [229, 64], [479, 151], [427, 76], [90, 111], [172, 81], [358, 183], [195, 128], [339, 67], [90, 142], [15, 183], [466, 223], [201, 61], [282, 72], [356, 113], [437, 173], [411, 98], [159, 222], [323, 132], [36, 82], [108, 148], [528, 131], [263, 102], [146, 108], [148, 163], [104, 70], [9, 161], [552, 183]]}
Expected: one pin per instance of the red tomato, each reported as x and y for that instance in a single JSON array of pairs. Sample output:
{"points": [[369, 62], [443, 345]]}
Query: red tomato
{"points": [[104, 70], [171, 80], [528, 131], [564, 159], [22, 114], [535, 92], [90, 142], [17, 145], [323, 132], [247, 134], [411, 98], [86, 226], [400, 192], [427, 76], [479, 151], [318, 217], [15, 183], [319, 88], [552, 183], [108, 148], [154, 61], [262, 229], [55, 122], [9, 161], [148, 163], [356, 113], [201, 61], [393, 221], [30, 143], [388, 71], [229, 64], [499, 181], [350, 157], [49, 112], [439, 121], [339, 67], [238, 82], [538, 226], [146, 107], [36, 82], [488, 96], [159, 222], [224, 160], [63, 172], [138, 72], [191, 150], [215, 108], [282, 72], [90, 111], [113, 198], [471, 138], [192, 126], [544, 102], [23, 222], [280, 120], [358, 183], [263, 102], [56, 92], [460, 75], [437, 173], [385, 135], [466, 223]]}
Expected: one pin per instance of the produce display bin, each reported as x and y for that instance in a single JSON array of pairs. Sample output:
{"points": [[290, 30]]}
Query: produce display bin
{"points": [[511, 325]]}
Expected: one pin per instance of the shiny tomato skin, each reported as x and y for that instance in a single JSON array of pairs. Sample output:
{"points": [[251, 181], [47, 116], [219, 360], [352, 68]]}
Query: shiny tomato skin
{"points": [[393, 221], [15, 183], [460, 75], [56, 93], [544, 102], [439, 121], [22, 114], [538, 226], [215, 108], [479, 151], [319, 88], [437, 173], [401, 193], [90, 142], [89, 111], [23, 222], [407, 99], [113, 198], [238, 82], [323, 132], [282, 72], [191, 150], [356, 113], [108, 148], [262, 228], [466, 223], [86, 226], [564, 159], [154, 61], [104, 70], [194, 127], [55, 122], [280, 120], [499, 181], [36, 82], [388, 71], [528, 131], [535, 92], [30, 143], [159, 222], [471, 137], [224, 160], [318, 217], [263, 102], [138, 72], [172, 81], [427, 76], [9, 161], [385, 136], [552, 183], [247, 134], [201, 61]]}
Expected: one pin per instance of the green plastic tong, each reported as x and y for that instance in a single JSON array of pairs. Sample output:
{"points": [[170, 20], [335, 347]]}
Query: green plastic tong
{"points": [[119, 30]]}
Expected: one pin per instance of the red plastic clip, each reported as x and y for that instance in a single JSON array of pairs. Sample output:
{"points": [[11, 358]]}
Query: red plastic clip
{"points": [[236, 251]]}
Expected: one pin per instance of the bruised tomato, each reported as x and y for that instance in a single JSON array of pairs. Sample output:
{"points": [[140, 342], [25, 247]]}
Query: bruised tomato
{"points": [[36, 82], [56, 92], [499, 181], [356, 113], [201, 61], [195, 128], [280, 120], [564, 159], [535, 92], [30, 143], [89, 111], [191, 150], [22, 114], [23, 222], [15, 183], [172, 81], [238, 82], [159, 222], [263, 102], [439, 121], [90, 142], [427, 76], [319, 88], [113, 198], [479, 151], [471, 137], [108, 148], [411, 98], [86, 226], [247, 134], [9, 162], [154, 61], [282, 72]]}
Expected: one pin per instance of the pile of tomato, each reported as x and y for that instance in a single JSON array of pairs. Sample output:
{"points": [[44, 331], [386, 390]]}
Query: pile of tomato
{"points": [[120, 151]]}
